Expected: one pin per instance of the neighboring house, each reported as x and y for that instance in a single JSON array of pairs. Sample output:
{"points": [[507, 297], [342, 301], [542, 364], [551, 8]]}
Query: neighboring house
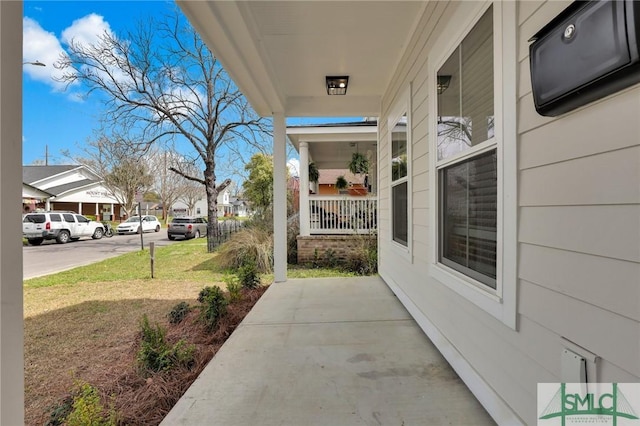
{"points": [[228, 205], [293, 188], [74, 188], [240, 207], [512, 238], [327, 182], [33, 198]]}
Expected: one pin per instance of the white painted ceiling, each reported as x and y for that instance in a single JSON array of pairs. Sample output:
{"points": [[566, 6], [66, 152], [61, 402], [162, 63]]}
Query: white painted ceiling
{"points": [[279, 52], [331, 147]]}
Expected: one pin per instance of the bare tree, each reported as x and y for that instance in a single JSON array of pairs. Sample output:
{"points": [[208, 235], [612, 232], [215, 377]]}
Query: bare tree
{"points": [[162, 80], [120, 168], [190, 192], [166, 183]]}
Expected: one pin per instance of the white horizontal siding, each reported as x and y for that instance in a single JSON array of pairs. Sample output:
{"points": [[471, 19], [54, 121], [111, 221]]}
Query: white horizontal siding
{"points": [[595, 179], [607, 334], [609, 231], [578, 222], [571, 273], [537, 19], [598, 128]]}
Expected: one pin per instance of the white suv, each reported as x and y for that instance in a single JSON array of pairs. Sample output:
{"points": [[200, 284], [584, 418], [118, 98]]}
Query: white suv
{"points": [[59, 226]]}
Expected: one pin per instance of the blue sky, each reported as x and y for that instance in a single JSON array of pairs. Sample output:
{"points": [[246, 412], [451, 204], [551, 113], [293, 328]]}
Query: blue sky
{"points": [[62, 119], [52, 115]]}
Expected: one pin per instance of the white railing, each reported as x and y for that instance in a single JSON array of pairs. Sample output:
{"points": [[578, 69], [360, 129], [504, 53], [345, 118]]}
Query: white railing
{"points": [[342, 214]]}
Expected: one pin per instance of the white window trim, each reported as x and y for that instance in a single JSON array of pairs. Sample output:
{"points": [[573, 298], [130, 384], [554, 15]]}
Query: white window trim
{"points": [[401, 107], [500, 303]]}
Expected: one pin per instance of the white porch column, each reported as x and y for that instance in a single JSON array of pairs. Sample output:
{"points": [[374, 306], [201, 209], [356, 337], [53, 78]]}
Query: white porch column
{"points": [[11, 315], [79, 208], [304, 189], [279, 198], [48, 204]]}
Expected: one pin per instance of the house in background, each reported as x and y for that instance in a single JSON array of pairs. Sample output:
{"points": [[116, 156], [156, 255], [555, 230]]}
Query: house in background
{"points": [[512, 238], [74, 188], [327, 182], [34, 199], [228, 204]]}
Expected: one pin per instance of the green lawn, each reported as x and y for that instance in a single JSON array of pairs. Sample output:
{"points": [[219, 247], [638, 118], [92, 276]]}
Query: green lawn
{"points": [[79, 322]]}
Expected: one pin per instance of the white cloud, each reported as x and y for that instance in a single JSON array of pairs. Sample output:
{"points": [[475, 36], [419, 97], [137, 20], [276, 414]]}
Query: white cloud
{"points": [[294, 167], [86, 30], [43, 46]]}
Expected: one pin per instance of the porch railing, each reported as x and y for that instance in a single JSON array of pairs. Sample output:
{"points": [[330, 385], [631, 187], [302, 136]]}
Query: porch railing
{"points": [[342, 214]]}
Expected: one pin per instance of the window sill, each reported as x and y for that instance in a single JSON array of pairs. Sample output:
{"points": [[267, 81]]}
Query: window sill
{"points": [[475, 292], [401, 250]]}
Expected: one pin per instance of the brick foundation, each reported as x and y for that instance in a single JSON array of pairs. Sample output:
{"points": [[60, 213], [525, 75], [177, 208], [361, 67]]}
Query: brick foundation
{"points": [[341, 245]]}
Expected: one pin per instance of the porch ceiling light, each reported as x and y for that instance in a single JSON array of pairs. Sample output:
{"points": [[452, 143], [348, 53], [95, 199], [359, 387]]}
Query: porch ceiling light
{"points": [[337, 85], [443, 83]]}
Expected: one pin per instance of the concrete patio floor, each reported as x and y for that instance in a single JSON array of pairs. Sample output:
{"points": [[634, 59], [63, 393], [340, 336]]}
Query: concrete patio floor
{"points": [[331, 352]]}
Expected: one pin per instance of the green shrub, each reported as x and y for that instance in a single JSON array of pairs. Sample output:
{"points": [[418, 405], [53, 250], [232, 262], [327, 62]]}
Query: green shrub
{"points": [[156, 355], [363, 260], [233, 287], [330, 258], [60, 412], [214, 306], [316, 262], [179, 312], [293, 230], [87, 410], [250, 244], [248, 275]]}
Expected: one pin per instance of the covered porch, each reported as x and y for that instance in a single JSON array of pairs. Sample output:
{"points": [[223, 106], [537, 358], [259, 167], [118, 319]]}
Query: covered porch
{"points": [[330, 351], [325, 210]]}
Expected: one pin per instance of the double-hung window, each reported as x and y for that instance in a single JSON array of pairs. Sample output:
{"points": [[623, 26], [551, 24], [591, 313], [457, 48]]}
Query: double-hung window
{"points": [[400, 164], [467, 157], [399, 183], [474, 120]]}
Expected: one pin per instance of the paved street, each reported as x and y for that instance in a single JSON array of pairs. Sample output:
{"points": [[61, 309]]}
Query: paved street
{"points": [[50, 257]]}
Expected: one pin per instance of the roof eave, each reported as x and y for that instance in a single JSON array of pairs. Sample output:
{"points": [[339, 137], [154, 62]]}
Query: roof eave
{"points": [[223, 27]]}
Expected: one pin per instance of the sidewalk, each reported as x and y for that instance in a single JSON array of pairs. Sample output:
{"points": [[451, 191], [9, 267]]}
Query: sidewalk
{"points": [[330, 352]]}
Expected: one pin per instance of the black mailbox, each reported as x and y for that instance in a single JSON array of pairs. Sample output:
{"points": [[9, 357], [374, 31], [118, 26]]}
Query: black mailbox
{"points": [[587, 52]]}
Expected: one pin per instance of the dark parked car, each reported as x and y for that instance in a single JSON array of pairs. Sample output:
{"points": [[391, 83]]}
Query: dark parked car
{"points": [[187, 227]]}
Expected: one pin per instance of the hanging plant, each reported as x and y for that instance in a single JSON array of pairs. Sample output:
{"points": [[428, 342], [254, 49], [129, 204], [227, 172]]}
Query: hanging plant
{"points": [[341, 182], [314, 174], [359, 164]]}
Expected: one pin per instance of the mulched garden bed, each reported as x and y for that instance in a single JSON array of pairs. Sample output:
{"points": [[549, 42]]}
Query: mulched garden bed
{"points": [[140, 400]]}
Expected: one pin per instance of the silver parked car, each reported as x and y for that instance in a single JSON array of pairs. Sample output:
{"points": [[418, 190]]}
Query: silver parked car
{"points": [[187, 227]]}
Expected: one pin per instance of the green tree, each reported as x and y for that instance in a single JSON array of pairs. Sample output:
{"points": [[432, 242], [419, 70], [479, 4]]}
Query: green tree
{"points": [[258, 188]]}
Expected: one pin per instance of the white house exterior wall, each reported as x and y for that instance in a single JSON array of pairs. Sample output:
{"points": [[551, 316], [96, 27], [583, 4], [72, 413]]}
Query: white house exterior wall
{"points": [[70, 176], [91, 194], [201, 205], [578, 245], [32, 192]]}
